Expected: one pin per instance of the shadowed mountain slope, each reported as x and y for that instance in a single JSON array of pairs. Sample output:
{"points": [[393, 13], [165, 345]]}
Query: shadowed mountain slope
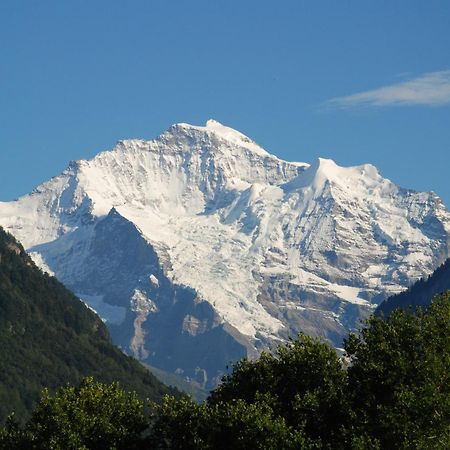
{"points": [[49, 338]]}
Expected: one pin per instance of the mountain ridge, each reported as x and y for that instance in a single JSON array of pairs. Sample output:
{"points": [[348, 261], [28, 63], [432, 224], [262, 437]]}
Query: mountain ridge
{"points": [[268, 247]]}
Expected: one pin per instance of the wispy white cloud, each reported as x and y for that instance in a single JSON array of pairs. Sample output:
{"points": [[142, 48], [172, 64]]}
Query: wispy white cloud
{"points": [[431, 89]]}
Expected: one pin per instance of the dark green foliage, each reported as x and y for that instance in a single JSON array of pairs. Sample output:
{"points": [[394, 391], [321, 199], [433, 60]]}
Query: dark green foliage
{"points": [[185, 425], [93, 416], [420, 293], [306, 384], [49, 338], [399, 378]]}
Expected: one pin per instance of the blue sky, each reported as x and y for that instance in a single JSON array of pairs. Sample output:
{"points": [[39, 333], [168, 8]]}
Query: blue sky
{"points": [[355, 81]]}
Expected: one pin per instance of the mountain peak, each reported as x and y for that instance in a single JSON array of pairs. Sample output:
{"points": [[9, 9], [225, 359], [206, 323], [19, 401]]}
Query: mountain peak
{"points": [[324, 171], [235, 137], [212, 123], [224, 133], [317, 174], [271, 246]]}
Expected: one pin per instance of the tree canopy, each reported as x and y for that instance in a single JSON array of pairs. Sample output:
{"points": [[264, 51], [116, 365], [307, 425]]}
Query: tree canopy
{"points": [[390, 390], [399, 377]]}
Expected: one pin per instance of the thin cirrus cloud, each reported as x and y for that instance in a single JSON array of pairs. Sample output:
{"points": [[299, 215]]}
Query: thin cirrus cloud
{"points": [[430, 89]]}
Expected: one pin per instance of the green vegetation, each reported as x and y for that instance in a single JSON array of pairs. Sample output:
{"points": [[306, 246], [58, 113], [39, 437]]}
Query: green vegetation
{"points": [[185, 425], [93, 416], [177, 381], [303, 382], [392, 390], [49, 338], [399, 378]]}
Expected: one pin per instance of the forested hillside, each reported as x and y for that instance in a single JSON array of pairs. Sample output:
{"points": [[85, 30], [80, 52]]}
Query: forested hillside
{"points": [[49, 338]]}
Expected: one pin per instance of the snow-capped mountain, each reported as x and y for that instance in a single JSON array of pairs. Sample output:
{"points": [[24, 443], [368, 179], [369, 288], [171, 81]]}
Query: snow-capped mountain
{"points": [[199, 247]]}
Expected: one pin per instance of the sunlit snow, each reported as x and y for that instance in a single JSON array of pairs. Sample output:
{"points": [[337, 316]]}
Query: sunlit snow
{"points": [[231, 217]]}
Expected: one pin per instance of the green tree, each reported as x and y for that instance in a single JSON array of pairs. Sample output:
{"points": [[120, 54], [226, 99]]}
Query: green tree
{"points": [[13, 437], [399, 378], [92, 416], [305, 381], [185, 425]]}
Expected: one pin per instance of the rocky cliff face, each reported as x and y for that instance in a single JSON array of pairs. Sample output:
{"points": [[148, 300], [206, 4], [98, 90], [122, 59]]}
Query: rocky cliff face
{"points": [[200, 247]]}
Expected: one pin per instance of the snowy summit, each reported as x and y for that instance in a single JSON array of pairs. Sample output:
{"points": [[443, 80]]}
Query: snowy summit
{"points": [[203, 238]]}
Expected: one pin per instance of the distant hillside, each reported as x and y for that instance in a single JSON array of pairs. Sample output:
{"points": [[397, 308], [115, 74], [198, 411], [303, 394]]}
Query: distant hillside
{"points": [[49, 338], [420, 293], [171, 379]]}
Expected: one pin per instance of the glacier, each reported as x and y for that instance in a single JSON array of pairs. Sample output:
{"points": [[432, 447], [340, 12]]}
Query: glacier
{"points": [[199, 247]]}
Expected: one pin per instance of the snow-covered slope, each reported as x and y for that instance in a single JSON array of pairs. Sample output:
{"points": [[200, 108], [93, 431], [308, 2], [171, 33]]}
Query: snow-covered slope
{"points": [[199, 246]]}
